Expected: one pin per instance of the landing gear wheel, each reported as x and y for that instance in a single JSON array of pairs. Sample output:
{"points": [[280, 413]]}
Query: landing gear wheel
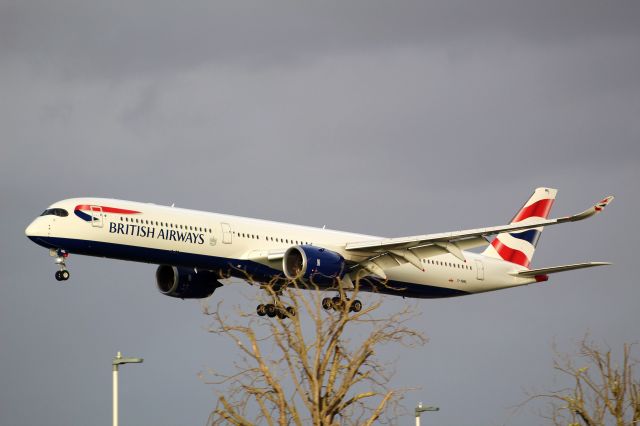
{"points": [[62, 275], [271, 310], [291, 311], [261, 310], [336, 303], [356, 306], [281, 312], [327, 304]]}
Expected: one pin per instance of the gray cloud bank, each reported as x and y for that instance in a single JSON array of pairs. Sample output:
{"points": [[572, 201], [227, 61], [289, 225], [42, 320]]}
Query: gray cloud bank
{"points": [[390, 118], [116, 39]]}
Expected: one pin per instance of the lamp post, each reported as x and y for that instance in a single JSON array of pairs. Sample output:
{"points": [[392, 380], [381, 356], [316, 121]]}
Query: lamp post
{"points": [[117, 361], [420, 409]]}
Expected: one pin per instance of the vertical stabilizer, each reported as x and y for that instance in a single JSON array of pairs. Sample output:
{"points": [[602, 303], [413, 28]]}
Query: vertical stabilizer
{"points": [[518, 247]]}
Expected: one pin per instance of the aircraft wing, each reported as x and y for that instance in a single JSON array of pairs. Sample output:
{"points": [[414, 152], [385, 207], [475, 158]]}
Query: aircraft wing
{"points": [[382, 253], [471, 234]]}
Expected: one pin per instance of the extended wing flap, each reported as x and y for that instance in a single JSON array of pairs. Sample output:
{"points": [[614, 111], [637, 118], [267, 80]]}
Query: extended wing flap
{"points": [[552, 270]]}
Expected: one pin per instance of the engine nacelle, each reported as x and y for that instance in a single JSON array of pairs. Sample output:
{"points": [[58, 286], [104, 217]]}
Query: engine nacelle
{"points": [[313, 264], [185, 283]]}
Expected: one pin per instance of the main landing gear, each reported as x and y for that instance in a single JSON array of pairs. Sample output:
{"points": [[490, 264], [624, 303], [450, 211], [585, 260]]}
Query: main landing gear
{"points": [[337, 303], [62, 274], [276, 308]]}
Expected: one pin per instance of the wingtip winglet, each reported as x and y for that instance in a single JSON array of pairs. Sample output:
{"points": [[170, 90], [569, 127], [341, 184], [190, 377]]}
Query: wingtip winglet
{"points": [[593, 210], [603, 203]]}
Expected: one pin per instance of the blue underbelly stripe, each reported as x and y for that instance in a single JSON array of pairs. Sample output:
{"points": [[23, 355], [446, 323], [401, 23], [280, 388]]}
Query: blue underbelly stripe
{"points": [[236, 267]]}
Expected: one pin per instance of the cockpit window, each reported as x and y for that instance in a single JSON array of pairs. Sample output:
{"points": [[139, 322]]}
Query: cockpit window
{"points": [[55, 212]]}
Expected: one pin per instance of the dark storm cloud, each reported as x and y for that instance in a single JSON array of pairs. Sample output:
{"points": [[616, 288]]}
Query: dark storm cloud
{"points": [[113, 39], [391, 118]]}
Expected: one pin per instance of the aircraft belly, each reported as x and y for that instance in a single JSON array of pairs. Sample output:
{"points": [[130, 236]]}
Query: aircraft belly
{"points": [[428, 280]]}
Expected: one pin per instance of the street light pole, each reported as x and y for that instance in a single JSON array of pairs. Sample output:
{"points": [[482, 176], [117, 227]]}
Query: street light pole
{"points": [[116, 363], [420, 409], [115, 393]]}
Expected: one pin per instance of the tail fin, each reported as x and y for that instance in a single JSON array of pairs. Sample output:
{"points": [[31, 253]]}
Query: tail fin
{"points": [[518, 247]]}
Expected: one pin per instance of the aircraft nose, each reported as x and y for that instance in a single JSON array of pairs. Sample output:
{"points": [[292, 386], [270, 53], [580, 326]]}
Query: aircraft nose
{"points": [[33, 229]]}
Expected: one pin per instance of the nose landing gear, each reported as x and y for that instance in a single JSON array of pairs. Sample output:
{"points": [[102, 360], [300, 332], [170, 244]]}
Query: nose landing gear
{"points": [[62, 274]]}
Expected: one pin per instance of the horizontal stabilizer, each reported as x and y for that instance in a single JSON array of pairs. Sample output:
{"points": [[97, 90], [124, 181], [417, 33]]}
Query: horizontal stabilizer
{"points": [[554, 269]]}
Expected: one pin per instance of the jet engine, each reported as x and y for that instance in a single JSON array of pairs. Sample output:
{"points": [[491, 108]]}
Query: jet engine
{"points": [[185, 283], [313, 264]]}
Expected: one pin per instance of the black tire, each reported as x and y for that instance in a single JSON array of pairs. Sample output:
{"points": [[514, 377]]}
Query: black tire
{"points": [[271, 310], [281, 312], [291, 311], [58, 275], [261, 310], [337, 303], [327, 303], [356, 306]]}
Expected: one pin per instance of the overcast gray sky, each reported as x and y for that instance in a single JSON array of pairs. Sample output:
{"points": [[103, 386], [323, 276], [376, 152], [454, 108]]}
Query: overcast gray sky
{"points": [[388, 118]]}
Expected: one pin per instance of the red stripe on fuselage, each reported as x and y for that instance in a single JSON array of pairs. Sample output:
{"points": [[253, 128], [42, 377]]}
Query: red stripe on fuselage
{"points": [[87, 207], [509, 254], [540, 208]]}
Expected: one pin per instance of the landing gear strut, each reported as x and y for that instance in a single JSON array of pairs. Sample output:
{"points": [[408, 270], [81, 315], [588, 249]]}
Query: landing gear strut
{"points": [[337, 303], [62, 274]]}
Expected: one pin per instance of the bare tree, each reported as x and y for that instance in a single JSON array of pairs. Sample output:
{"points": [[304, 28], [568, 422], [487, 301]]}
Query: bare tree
{"points": [[310, 365], [604, 391]]}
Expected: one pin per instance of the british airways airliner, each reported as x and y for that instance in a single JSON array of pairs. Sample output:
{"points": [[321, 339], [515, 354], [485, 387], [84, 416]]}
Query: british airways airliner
{"points": [[195, 249]]}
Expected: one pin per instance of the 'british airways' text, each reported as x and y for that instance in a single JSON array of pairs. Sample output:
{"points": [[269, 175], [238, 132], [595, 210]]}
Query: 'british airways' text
{"points": [[150, 232]]}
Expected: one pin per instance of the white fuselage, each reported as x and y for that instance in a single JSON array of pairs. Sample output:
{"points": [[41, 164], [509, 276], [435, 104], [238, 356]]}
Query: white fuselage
{"points": [[211, 241]]}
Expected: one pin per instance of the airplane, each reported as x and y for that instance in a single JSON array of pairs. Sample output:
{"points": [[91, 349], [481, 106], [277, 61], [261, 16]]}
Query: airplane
{"points": [[195, 249]]}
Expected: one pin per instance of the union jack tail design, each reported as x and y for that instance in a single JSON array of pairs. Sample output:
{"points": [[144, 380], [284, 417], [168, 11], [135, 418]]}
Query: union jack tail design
{"points": [[518, 247]]}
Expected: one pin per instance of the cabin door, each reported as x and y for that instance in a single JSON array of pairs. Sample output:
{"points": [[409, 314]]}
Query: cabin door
{"points": [[479, 270], [97, 219], [226, 233]]}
